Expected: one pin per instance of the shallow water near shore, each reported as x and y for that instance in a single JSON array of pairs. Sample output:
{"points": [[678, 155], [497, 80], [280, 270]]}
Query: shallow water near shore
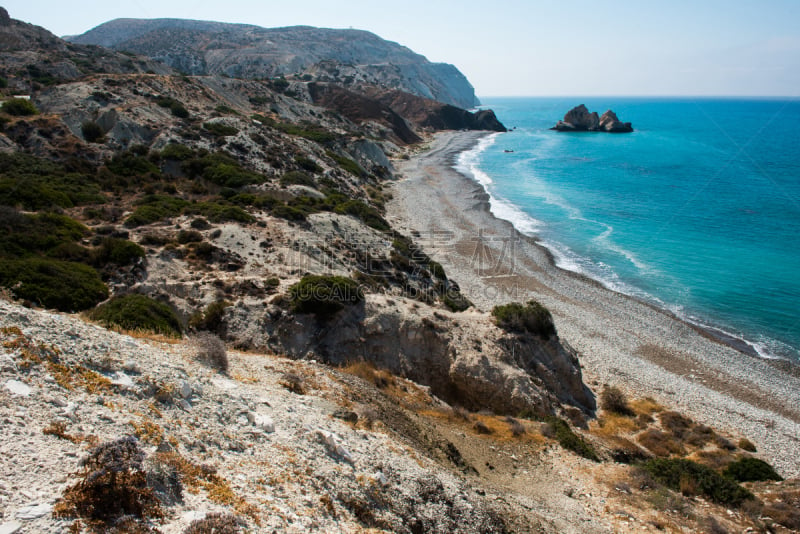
{"points": [[697, 211]]}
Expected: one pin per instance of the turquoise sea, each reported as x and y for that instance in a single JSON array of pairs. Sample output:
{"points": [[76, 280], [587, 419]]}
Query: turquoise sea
{"points": [[697, 211]]}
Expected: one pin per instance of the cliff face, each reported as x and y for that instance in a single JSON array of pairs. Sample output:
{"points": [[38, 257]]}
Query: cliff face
{"points": [[245, 51]]}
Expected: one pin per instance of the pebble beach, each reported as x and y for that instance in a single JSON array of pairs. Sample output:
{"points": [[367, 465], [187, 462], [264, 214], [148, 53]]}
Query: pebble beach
{"points": [[622, 341]]}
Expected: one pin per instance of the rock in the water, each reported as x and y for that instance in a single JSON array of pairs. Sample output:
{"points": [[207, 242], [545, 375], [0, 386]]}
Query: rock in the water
{"points": [[18, 388], [579, 119]]}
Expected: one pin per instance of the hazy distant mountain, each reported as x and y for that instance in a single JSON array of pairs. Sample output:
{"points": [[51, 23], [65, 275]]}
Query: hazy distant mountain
{"points": [[350, 57]]}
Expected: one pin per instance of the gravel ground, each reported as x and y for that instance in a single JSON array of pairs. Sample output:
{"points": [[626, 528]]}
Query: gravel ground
{"points": [[621, 340]]}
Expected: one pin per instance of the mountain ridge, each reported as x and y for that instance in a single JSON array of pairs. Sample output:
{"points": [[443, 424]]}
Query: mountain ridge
{"points": [[249, 51]]}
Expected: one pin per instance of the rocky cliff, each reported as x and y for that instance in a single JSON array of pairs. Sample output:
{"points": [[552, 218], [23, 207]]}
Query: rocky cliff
{"points": [[352, 56]]}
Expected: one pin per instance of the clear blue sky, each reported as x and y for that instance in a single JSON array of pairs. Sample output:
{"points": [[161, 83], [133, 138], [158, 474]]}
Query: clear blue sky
{"points": [[528, 47]]}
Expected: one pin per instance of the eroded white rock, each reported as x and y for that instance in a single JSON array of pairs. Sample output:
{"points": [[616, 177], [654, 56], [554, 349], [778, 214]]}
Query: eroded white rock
{"points": [[18, 388]]}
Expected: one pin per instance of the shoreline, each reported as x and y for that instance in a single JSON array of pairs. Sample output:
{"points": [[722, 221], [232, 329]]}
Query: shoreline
{"points": [[622, 340]]}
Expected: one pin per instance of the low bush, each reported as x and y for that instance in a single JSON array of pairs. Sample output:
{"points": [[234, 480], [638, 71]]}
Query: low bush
{"points": [[346, 163], [154, 208], [747, 445], [92, 132], [177, 152], [175, 106], [189, 236], [211, 351], [751, 470], [531, 317], [113, 488], [307, 164], [138, 312], [62, 285], [560, 430], [131, 163], [219, 212], [116, 251], [367, 214], [660, 443], [613, 400], [19, 107], [455, 301], [219, 129], [297, 178], [324, 295], [691, 478], [214, 523], [211, 319], [35, 184]]}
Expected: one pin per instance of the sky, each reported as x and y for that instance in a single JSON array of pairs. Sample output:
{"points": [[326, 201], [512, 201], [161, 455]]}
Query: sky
{"points": [[527, 47]]}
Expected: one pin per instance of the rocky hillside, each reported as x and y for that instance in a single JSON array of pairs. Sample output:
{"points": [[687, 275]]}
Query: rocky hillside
{"points": [[362, 389], [349, 57]]}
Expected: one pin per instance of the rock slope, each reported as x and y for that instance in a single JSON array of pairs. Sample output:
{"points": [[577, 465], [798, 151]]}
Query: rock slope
{"points": [[245, 51]]}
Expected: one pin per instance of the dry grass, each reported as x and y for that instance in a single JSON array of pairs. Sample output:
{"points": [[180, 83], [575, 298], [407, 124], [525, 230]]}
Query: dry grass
{"points": [[612, 424], [646, 406], [148, 431], [59, 430], [660, 443], [367, 371]]}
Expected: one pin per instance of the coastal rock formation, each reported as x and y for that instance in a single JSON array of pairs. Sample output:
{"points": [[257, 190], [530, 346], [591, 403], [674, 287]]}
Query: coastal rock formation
{"points": [[579, 119], [350, 57], [465, 360]]}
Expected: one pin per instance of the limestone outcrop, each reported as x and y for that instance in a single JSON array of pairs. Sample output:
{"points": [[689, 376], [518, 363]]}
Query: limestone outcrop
{"points": [[580, 119]]}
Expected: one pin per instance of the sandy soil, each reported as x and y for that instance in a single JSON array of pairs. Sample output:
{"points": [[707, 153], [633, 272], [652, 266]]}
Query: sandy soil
{"points": [[621, 340]]}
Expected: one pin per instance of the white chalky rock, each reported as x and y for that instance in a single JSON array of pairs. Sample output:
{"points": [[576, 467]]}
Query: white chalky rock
{"points": [[33, 511], [261, 421], [333, 443], [12, 527], [18, 388]]}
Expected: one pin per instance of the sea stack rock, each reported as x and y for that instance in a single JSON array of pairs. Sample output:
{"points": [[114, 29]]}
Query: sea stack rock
{"points": [[579, 119]]}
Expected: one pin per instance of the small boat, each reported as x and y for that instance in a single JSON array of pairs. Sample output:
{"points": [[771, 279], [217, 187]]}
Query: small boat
{"points": [[507, 151]]}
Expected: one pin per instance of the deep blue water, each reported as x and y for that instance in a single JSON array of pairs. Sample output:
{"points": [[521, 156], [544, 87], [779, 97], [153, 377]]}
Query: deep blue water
{"points": [[697, 211]]}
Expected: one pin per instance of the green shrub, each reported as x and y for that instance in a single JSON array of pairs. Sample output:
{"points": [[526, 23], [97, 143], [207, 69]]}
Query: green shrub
{"points": [[569, 439], [65, 286], [35, 184], [297, 178], [751, 470], [19, 107], [367, 214], [138, 312], [219, 212], [116, 251], [307, 164], [531, 317], [455, 301], [189, 236], [692, 478], [346, 163], [129, 163], [437, 270], [324, 295], [219, 129], [212, 318], [220, 169], [23, 234], [176, 107], [177, 152], [92, 132], [289, 213], [153, 208]]}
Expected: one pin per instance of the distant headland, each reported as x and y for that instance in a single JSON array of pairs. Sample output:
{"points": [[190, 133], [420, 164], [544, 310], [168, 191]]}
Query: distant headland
{"points": [[579, 119]]}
